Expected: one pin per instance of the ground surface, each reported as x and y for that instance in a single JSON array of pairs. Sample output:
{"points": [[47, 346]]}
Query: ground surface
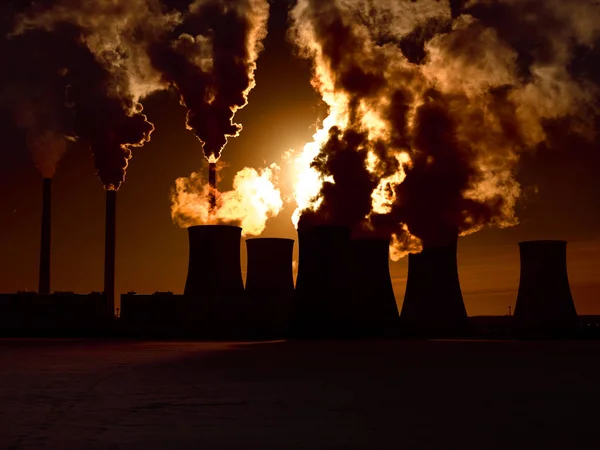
{"points": [[83, 394]]}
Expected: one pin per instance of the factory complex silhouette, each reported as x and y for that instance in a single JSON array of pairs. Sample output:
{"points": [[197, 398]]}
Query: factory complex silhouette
{"points": [[343, 289]]}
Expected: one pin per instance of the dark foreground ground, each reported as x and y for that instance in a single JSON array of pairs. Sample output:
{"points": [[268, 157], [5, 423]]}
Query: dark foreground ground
{"points": [[84, 394]]}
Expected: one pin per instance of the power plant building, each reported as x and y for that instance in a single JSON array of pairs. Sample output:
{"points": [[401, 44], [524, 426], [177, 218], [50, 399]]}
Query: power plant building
{"points": [[56, 313]]}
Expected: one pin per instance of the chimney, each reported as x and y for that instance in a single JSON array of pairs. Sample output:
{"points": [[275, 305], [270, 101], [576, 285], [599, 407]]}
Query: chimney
{"points": [[433, 301], [322, 286], [544, 301], [373, 306], [212, 183], [269, 284], [109, 250], [214, 268], [44, 280]]}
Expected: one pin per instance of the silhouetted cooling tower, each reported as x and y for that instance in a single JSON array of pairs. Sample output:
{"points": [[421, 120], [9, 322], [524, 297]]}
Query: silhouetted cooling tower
{"points": [[109, 250], [323, 284], [544, 301], [373, 303], [269, 284], [214, 266], [433, 300], [44, 280]]}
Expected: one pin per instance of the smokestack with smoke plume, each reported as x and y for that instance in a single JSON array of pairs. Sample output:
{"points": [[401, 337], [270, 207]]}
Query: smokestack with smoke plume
{"points": [[44, 280], [85, 43], [430, 104], [210, 59]]}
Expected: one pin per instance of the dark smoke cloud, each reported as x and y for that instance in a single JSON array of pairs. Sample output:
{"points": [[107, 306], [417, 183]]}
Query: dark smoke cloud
{"points": [[115, 53], [210, 58], [348, 200], [448, 94], [33, 95], [78, 44]]}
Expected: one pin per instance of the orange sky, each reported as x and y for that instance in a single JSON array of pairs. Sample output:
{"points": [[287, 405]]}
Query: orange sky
{"points": [[283, 109]]}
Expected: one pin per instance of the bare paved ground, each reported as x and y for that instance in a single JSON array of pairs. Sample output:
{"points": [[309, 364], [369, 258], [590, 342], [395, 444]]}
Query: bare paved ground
{"points": [[91, 394]]}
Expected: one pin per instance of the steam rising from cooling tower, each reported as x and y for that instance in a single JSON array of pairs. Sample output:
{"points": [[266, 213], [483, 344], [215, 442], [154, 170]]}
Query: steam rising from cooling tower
{"points": [[430, 105], [253, 199]]}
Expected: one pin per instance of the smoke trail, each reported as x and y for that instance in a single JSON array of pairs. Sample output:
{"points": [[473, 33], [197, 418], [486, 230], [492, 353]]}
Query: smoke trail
{"points": [[99, 46], [33, 95], [448, 96], [210, 58], [252, 201]]}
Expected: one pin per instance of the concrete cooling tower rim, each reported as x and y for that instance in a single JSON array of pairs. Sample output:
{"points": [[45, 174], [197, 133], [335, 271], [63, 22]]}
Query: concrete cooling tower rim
{"points": [[543, 243], [269, 239], [213, 227]]}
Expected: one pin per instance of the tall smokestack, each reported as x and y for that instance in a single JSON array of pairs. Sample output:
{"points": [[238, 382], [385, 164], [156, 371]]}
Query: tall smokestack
{"points": [[212, 183], [433, 300], [109, 250], [269, 284], [322, 285], [373, 305], [544, 301], [44, 281]]}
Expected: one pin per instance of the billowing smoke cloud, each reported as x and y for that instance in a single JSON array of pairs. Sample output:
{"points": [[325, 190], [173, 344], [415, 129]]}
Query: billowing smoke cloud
{"points": [[432, 102], [210, 59], [253, 199], [97, 46], [115, 53]]}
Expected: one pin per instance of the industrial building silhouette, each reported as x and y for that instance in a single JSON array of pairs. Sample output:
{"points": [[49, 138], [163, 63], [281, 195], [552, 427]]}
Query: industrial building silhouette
{"points": [[343, 289], [59, 313]]}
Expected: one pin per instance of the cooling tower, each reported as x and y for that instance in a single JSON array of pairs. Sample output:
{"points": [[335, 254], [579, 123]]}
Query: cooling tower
{"points": [[214, 266], [323, 283], [373, 304], [544, 301], [44, 280], [109, 250], [269, 284], [433, 300]]}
